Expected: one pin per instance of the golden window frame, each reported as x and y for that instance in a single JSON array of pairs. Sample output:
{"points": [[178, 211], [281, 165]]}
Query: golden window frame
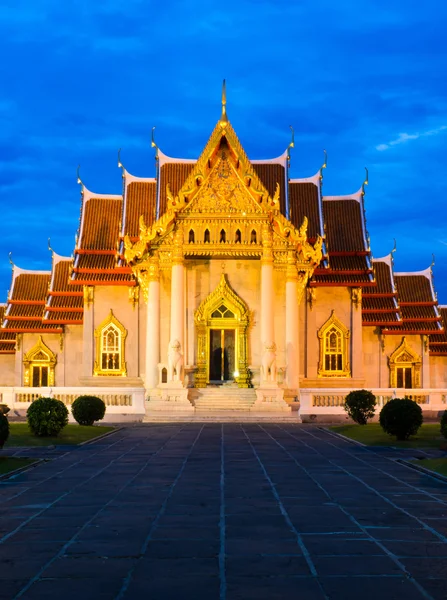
{"points": [[334, 323], [39, 356], [121, 370], [403, 357]]}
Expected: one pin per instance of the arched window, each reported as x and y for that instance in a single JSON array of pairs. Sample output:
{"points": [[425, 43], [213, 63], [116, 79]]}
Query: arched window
{"points": [[238, 236], [39, 365], [223, 236], [206, 237], [334, 349], [405, 367], [253, 237], [110, 336], [191, 236]]}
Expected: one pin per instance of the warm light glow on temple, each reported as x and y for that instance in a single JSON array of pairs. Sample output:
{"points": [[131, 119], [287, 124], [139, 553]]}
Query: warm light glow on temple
{"points": [[220, 283]]}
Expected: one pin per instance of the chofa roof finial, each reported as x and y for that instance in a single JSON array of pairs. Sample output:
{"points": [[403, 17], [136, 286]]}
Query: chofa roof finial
{"points": [[10, 260], [432, 261], [324, 165], [153, 142], [223, 117], [78, 175], [365, 182]]}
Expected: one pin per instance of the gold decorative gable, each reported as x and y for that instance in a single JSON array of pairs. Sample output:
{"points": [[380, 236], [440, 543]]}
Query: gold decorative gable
{"points": [[223, 192]]}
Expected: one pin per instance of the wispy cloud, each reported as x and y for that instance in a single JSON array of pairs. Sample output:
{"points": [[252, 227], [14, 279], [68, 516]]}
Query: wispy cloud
{"points": [[403, 138]]}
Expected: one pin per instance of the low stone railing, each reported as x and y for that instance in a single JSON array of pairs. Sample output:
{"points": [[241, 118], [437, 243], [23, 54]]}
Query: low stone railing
{"points": [[125, 401], [331, 401]]}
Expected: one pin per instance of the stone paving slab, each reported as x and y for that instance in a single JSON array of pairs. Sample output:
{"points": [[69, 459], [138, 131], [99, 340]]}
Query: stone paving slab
{"points": [[223, 511]]}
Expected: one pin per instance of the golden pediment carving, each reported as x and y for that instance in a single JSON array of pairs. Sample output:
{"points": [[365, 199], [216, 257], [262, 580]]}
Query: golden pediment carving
{"points": [[223, 192]]}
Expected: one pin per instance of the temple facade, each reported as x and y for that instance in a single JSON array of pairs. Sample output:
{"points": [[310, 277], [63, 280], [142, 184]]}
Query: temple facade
{"points": [[222, 284]]}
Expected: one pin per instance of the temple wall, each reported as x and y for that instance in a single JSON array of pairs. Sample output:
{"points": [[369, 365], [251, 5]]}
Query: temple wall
{"points": [[117, 299], [7, 369], [314, 317], [72, 355], [438, 372], [375, 365]]}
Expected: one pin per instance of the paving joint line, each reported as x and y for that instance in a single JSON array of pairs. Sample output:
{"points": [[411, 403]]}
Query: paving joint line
{"points": [[286, 516], [72, 539], [390, 554], [145, 544]]}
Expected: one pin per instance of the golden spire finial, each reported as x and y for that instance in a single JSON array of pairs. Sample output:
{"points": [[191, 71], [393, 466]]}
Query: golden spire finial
{"points": [[224, 118]]}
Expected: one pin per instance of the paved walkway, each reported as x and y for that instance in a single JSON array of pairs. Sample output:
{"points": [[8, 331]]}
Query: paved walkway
{"points": [[191, 512]]}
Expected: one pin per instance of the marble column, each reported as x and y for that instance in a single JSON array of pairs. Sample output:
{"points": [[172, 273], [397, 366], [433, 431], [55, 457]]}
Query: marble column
{"points": [[153, 325], [267, 289], [356, 334], [292, 324], [178, 295], [87, 332]]}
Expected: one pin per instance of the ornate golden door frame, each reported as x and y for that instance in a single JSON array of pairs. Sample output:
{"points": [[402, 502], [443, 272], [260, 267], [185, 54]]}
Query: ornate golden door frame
{"points": [[222, 309]]}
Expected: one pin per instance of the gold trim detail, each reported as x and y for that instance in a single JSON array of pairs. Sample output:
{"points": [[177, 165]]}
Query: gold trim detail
{"points": [[223, 294], [334, 349], [89, 294], [356, 297], [134, 295], [39, 356], [116, 354], [403, 357]]}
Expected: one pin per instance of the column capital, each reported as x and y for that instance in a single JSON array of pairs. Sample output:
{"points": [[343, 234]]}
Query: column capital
{"points": [[291, 272]]}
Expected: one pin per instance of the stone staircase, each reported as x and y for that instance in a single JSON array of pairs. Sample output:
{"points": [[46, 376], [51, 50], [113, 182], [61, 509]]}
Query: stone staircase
{"points": [[222, 398]]}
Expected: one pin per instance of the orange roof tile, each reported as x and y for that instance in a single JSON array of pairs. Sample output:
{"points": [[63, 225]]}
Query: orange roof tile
{"points": [[140, 199], [30, 286], [100, 224], [304, 202], [414, 288], [344, 225], [270, 174], [174, 173]]}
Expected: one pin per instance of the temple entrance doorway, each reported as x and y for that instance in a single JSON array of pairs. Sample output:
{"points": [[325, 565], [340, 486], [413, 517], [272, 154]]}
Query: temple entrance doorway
{"points": [[222, 355], [222, 345]]}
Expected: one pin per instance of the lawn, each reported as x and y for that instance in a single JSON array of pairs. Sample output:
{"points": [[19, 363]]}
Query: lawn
{"points": [[434, 464], [428, 436], [20, 435], [8, 464]]}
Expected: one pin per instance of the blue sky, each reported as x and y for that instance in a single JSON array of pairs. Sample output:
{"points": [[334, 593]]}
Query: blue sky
{"points": [[365, 80]]}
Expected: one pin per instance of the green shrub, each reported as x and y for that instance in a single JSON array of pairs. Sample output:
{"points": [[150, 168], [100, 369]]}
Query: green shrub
{"points": [[4, 429], [401, 417], [360, 405], [444, 424], [88, 409], [47, 416]]}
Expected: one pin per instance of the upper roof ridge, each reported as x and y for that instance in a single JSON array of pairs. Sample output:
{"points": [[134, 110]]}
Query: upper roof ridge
{"points": [[313, 179], [356, 196], [164, 159]]}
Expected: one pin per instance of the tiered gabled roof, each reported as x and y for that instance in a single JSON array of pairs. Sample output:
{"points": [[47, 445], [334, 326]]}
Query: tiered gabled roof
{"points": [[271, 172], [26, 303], [173, 172], [65, 302], [438, 341], [7, 338], [346, 243], [96, 247], [305, 201], [140, 198], [418, 303], [380, 307]]}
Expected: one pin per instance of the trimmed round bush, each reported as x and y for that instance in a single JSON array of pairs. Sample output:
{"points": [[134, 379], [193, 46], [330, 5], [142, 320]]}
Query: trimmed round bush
{"points": [[4, 409], [360, 405], [444, 424], [401, 417], [4, 429], [47, 417], [88, 409]]}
